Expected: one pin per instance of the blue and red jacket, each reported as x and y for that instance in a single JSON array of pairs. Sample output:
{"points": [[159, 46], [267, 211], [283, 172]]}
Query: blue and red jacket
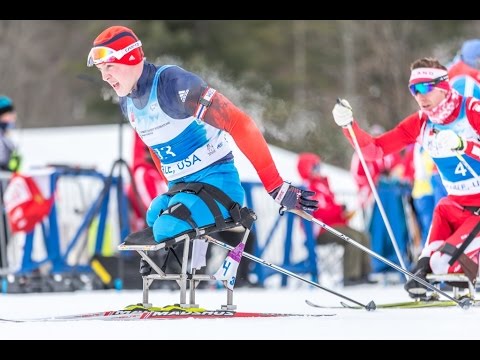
{"points": [[183, 121]]}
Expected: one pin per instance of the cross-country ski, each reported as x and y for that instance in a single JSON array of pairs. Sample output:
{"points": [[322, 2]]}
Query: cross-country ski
{"points": [[418, 304], [136, 315]]}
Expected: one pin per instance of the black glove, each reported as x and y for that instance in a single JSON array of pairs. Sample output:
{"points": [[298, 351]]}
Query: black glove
{"points": [[291, 197], [145, 268]]}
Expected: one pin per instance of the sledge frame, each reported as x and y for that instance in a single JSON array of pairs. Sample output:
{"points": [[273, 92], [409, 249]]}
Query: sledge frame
{"points": [[185, 280], [455, 278]]}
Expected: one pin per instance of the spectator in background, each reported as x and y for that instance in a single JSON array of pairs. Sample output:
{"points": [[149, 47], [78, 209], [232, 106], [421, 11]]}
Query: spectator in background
{"points": [[356, 263], [9, 158], [464, 72], [149, 183], [9, 162], [422, 192], [377, 168]]}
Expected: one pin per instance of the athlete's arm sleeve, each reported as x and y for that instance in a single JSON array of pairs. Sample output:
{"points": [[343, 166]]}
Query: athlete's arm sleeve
{"points": [[406, 132], [187, 87], [223, 114], [472, 147], [206, 104]]}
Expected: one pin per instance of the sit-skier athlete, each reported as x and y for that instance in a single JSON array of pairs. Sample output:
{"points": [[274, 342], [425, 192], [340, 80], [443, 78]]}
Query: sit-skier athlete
{"points": [[184, 122], [448, 127]]}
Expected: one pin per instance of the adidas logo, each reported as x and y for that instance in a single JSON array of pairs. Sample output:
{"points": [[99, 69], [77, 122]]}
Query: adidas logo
{"points": [[183, 95], [131, 58]]}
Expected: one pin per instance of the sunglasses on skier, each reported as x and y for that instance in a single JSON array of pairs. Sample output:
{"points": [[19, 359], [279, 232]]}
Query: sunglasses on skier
{"points": [[102, 54], [425, 87]]}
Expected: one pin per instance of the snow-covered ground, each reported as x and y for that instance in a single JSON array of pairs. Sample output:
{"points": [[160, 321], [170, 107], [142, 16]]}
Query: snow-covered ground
{"points": [[430, 323]]}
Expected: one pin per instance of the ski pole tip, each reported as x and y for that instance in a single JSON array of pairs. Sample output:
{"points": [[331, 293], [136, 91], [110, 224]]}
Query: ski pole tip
{"points": [[371, 306], [465, 303]]}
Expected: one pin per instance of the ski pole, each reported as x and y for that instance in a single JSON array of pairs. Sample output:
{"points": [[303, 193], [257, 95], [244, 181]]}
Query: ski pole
{"points": [[369, 307], [464, 303], [466, 164], [374, 192]]}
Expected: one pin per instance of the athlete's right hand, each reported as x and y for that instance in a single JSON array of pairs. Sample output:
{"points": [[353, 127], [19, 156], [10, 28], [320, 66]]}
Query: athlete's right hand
{"points": [[342, 113], [449, 140], [291, 197]]}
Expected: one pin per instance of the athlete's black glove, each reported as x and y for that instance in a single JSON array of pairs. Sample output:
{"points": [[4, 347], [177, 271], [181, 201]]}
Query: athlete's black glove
{"points": [[145, 268], [291, 197]]}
